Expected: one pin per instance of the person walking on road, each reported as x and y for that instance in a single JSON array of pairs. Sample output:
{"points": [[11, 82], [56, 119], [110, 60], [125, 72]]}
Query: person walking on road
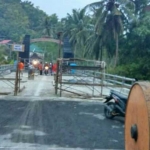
{"points": [[21, 67], [50, 68], [46, 68], [31, 71], [54, 68]]}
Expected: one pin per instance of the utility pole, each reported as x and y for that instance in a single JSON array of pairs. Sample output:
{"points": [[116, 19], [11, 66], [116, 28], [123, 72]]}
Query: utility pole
{"points": [[59, 35], [17, 75]]}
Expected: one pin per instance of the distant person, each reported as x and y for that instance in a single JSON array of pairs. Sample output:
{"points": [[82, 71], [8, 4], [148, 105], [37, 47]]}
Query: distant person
{"points": [[31, 69], [50, 68], [46, 64], [46, 68], [40, 67], [54, 67], [21, 67]]}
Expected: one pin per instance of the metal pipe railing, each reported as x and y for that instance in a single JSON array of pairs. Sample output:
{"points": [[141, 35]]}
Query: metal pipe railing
{"points": [[113, 79], [6, 67]]}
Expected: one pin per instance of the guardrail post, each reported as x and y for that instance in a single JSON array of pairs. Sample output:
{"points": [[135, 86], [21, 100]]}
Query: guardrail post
{"points": [[60, 77], [102, 82], [16, 80], [93, 83], [56, 79]]}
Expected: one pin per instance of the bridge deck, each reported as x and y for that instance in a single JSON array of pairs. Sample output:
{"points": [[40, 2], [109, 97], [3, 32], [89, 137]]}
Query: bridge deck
{"points": [[37, 119]]}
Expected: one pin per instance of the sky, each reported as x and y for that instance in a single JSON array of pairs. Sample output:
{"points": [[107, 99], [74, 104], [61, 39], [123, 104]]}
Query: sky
{"points": [[60, 7]]}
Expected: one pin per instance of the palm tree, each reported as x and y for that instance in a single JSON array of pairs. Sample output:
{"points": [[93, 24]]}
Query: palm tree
{"points": [[93, 46], [51, 25], [76, 28], [140, 5], [110, 15]]}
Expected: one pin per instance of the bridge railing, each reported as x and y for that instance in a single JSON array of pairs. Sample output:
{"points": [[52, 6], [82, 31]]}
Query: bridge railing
{"points": [[110, 81], [111, 78], [6, 67]]}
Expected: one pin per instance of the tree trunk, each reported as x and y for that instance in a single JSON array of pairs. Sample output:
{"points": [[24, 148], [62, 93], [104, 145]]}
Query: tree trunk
{"points": [[97, 54], [75, 51], [101, 56], [116, 57]]}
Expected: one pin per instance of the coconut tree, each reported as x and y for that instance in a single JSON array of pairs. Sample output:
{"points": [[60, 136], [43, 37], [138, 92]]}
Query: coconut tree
{"points": [[140, 5], [51, 25], [76, 27], [110, 15]]}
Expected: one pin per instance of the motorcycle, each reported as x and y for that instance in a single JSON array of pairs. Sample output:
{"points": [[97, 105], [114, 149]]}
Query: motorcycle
{"points": [[115, 105], [46, 70]]}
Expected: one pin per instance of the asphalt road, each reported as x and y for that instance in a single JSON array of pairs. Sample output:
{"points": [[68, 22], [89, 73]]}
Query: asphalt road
{"points": [[57, 125]]}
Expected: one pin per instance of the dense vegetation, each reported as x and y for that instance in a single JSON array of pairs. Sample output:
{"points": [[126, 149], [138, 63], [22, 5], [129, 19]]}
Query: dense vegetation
{"points": [[19, 18], [116, 31]]}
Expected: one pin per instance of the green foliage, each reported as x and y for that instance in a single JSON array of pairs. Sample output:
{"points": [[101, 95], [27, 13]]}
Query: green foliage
{"points": [[117, 28], [19, 18], [110, 16], [50, 50], [139, 69], [11, 62], [52, 26], [77, 27], [3, 54]]}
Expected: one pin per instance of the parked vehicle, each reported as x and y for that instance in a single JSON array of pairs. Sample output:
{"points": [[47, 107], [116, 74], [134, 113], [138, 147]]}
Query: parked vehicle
{"points": [[115, 104]]}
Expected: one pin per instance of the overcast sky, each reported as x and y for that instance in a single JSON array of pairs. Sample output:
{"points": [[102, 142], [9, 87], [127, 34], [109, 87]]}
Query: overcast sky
{"points": [[60, 7]]}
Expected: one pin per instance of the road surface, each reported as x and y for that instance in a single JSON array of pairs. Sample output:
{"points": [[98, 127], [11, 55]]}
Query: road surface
{"points": [[35, 120]]}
